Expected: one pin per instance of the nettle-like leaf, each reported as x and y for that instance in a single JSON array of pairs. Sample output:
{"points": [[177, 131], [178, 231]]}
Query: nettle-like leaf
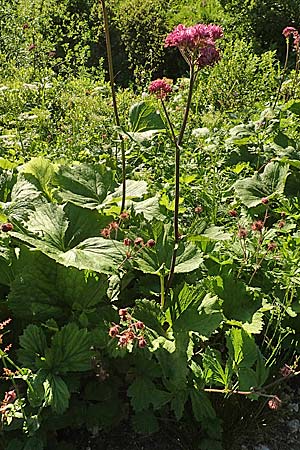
{"points": [[270, 183], [197, 313], [47, 230], [242, 348], [69, 350], [33, 346], [144, 393], [202, 407], [173, 356], [85, 185], [151, 314], [57, 394], [213, 368], [241, 306]]}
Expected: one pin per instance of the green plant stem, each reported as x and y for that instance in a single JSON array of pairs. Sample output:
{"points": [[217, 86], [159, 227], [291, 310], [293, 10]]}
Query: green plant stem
{"points": [[188, 105], [283, 72], [162, 291], [296, 72], [177, 177], [114, 100]]}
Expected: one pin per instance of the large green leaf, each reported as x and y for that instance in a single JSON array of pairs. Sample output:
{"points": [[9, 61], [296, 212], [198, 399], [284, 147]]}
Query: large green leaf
{"points": [[144, 117], [242, 348], [270, 183], [157, 260], [85, 185], [144, 393], [241, 305], [40, 172], [69, 351], [204, 318], [33, 297], [57, 394], [202, 407], [33, 346], [46, 230]]}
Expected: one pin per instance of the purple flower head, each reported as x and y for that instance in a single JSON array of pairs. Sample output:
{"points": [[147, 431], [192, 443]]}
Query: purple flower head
{"points": [[193, 37], [208, 56], [160, 87], [288, 31], [196, 43], [215, 31]]}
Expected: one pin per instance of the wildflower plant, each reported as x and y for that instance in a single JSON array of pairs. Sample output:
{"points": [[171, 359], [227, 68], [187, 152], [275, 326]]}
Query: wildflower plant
{"points": [[197, 45]]}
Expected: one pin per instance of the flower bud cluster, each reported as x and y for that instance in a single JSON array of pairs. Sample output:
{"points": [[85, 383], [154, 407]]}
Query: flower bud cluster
{"points": [[288, 31], [110, 227], [160, 87], [129, 331]]}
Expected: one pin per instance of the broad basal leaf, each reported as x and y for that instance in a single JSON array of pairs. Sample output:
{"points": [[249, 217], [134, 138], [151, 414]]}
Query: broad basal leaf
{"points": [[144, 117], [270, 183], [32, 296], [47, 228], [39, 171], [85, 185]]}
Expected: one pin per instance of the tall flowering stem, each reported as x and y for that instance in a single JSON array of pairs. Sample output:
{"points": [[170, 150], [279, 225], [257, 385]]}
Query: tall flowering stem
{"points": [[197, 45], [287, 33], [114, 100]]}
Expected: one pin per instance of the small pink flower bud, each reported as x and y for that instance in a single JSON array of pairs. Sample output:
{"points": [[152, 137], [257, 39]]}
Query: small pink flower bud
{"points": [[287, 31], [142, 342], [114, 331], [122, 341], [242, 233], [139, 325], [105, 232], [257, 226], [151, 243], [127, 242], [124, 215], [138, 241], [123, 313], [274, 403], [281, 224], [31, 47], [233, 213], [5, 227], [10, 397], [114, 226], [198, 209], [265, 200]]}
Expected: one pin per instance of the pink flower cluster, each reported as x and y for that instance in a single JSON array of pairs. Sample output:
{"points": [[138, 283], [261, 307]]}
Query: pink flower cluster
{"points": [[288, 31], [160, 87], [196, 43], [133, 331]]}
